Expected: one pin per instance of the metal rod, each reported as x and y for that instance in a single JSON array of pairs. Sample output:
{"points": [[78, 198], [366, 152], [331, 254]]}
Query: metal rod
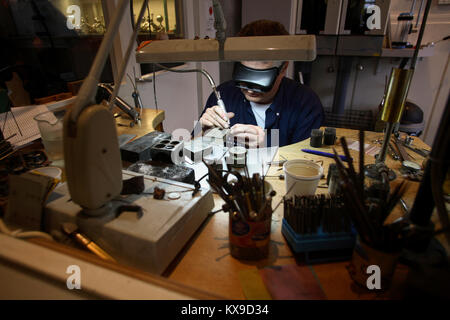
{"points": [[166, 16], [88, 89], [361, 159], [387, 137], [418, 14], [210, 79], [404, 205], [15, 121], [413, 7], [422, 31]]}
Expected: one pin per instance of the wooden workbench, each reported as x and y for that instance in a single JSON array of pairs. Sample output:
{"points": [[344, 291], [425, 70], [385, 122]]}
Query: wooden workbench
{"points": [[207, 264], [151, 120]]}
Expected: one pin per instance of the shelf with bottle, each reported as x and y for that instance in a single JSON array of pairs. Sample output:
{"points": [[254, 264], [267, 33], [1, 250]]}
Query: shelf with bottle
{"points": [[162, 19]]}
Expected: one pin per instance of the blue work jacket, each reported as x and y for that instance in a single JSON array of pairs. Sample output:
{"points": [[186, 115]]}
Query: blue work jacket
{"points": [[295, 110]]}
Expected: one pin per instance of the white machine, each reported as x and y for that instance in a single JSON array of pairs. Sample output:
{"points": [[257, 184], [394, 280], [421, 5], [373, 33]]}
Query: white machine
{"points": [[148, 241]]}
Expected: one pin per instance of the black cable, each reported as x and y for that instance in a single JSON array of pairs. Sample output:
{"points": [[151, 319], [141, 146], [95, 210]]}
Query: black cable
{"points": [[203, 177], [197, 185], [154, 86], [403, 63], [150, 33], [149, 26], [210, 214], [227, 171], [421, 32]]}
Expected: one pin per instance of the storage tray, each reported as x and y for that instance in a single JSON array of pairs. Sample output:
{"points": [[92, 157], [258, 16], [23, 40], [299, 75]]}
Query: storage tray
{"points": [[321, 246]]}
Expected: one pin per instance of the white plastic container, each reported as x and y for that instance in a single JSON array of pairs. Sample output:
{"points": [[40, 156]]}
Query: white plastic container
{"points": [[304, 174], [53, 172], [50, 125]]}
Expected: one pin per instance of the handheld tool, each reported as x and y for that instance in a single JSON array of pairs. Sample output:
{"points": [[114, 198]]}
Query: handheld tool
{"points": [[325, 154], [221, 104], [394, 153], [104, 93], [72, 230], [422, 152], [404, 156]]}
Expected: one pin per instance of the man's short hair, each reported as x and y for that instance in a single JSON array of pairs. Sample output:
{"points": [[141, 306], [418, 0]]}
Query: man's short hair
{"points": [[263, 28]]}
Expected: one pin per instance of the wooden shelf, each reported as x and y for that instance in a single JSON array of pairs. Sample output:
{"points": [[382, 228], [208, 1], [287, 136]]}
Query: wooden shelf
{"points": [[407, 53]]}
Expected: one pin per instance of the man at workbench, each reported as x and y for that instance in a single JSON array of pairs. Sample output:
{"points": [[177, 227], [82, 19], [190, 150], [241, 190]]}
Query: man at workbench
{"points": [[261, 97]]}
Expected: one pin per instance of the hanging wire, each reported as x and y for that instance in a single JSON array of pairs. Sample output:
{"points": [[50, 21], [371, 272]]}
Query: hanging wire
{"points": [[154, 86], [149, 26]]}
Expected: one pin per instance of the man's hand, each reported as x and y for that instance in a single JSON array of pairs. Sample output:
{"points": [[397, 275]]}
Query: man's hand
{"points": [[215, 117], [253, 136]]}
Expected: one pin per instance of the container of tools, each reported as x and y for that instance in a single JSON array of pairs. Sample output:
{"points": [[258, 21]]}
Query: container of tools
{"points": [[379, 242], [318, 227], [249, 233], [248, 202], [365, 256]]}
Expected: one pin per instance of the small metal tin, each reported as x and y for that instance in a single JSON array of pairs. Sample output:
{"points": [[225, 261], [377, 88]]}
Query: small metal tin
{"points": [[316, 138], [329, 137], [411, 166]]}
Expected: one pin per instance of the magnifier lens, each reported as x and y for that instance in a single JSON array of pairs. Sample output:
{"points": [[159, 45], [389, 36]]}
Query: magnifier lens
{"points": [[252, 87]]}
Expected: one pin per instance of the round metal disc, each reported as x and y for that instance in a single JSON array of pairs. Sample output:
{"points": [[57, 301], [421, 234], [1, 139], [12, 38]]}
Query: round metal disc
{"points": [[410, 165], [174, 196]]}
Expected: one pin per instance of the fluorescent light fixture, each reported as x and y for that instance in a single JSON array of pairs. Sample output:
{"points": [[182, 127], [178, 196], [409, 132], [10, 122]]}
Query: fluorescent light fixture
{"points": [[289, 47]]}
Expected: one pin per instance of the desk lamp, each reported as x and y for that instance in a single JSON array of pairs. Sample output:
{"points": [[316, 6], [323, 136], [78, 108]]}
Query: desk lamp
{"points": [[91, 148]]}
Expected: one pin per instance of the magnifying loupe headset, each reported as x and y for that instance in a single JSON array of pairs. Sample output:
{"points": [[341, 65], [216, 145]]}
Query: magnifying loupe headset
{"points": [[257, 80]]}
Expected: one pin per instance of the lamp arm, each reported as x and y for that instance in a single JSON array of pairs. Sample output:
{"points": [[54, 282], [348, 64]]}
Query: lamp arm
{"points": [[124, 64], [202, 71], [88, 89], [220, 102], [125, 107]]}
